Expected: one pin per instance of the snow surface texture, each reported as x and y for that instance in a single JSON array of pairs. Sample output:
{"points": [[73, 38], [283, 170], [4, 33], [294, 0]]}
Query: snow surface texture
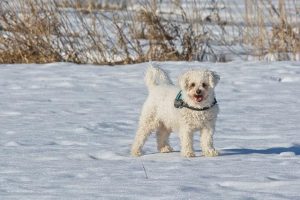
{"points": [[66, 132]]}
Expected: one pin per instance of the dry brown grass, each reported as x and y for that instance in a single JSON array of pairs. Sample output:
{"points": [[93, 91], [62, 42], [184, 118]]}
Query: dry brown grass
{"points": [[281, 37], [28, 36], [41, 31]]}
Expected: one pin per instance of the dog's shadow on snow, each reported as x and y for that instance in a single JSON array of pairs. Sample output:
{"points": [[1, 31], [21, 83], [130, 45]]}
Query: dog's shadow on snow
{"points": [[274, 150]]}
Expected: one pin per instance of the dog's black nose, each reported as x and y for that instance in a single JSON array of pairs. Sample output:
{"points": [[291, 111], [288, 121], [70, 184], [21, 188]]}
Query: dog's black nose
{"points": [[198, 91]]}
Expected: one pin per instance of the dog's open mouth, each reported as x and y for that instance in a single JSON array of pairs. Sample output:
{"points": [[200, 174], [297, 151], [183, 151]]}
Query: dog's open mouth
{"points": [[198, 98]]}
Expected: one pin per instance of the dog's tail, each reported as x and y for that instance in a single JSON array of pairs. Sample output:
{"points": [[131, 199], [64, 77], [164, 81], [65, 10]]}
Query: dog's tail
{"points": [[156, 76]]}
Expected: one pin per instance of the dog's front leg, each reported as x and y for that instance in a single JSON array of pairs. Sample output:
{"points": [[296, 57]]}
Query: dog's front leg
{"points": [[207, 142], [186, 140]]}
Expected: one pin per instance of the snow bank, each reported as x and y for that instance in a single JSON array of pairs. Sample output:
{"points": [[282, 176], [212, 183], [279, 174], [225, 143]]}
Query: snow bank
{"points": [[66, 132]]}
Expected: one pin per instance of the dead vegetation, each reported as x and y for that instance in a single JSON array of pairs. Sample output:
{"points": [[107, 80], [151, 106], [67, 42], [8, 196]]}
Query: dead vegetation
{"points": [[28, 36], [42, 31], [279, 40]]}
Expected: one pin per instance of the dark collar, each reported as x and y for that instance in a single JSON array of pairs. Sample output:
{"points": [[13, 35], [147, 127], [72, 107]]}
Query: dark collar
{"points": [[179, 103]]}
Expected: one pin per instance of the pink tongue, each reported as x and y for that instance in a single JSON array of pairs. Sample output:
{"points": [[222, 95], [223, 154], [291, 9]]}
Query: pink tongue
{"points": [[199, 98]]}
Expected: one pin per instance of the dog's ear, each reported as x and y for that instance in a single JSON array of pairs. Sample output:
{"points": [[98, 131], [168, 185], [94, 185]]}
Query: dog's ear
{"points": [[213, 78], [183, 81]]}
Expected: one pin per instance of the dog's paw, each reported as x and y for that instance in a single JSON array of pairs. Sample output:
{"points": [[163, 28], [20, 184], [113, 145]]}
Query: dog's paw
{"points": [[136, 153], [166, 149], [188, 154], [210, 153]]}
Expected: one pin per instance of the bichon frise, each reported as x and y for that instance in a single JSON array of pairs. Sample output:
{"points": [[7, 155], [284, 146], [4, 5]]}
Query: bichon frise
{"points": [[185, 110]]}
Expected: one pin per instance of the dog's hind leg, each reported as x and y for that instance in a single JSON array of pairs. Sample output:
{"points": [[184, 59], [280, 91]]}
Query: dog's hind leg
{"points": [[146, 126], [140, 138], [162, 138]]}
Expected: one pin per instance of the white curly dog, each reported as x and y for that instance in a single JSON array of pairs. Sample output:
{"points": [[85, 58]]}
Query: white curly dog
{"points": [[187, 109]]}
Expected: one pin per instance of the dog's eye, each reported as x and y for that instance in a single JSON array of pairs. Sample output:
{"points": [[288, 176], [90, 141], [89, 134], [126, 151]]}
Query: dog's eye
{"points": [[204, 85], [192, 85]]}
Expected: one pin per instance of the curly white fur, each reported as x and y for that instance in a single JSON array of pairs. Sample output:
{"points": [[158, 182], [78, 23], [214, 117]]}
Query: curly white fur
{"points": [[159, 114]]}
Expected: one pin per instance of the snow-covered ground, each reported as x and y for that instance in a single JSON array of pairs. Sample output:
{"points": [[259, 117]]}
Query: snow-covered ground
{"points": [[66, 131]]}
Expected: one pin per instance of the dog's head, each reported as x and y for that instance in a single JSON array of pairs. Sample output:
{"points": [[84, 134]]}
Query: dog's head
{"points": [[198, 85]]}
